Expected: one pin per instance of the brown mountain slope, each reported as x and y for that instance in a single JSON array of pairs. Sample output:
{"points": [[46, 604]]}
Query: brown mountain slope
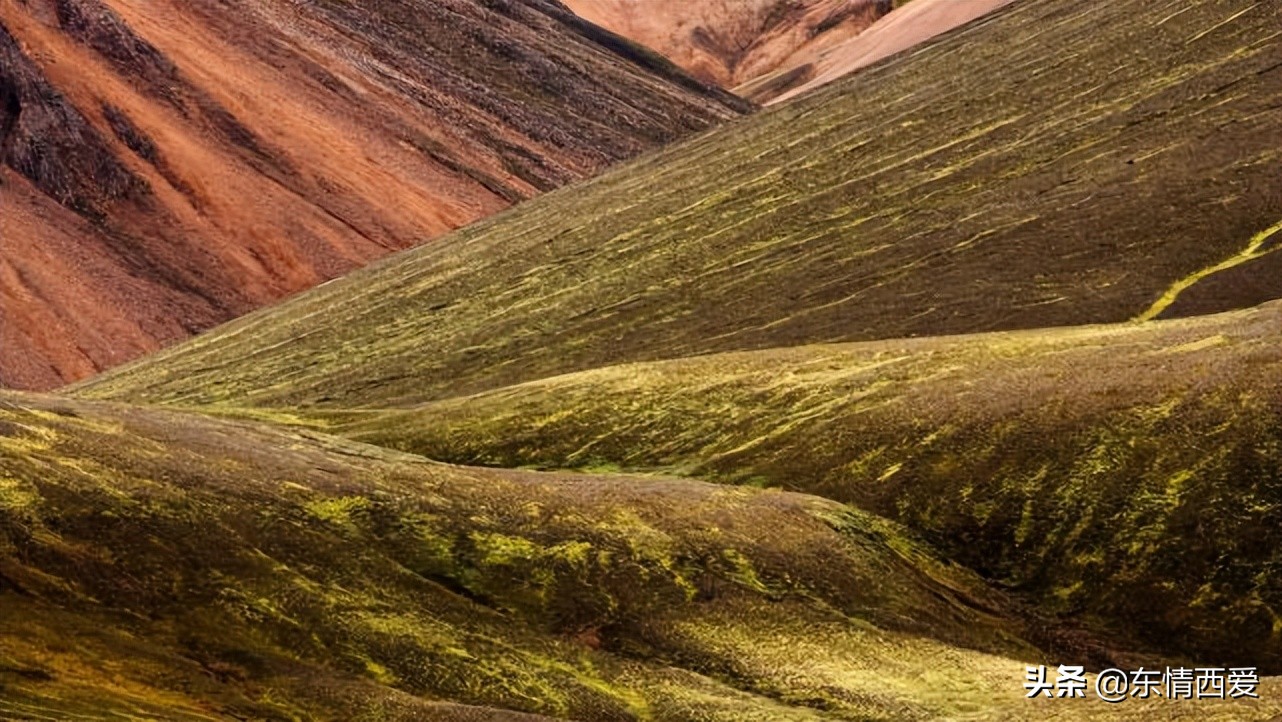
{"points": [[730, 42], [905, 27], [168, 165]]}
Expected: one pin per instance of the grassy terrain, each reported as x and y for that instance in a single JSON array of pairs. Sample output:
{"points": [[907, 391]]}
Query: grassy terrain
{"points": [[161, 561], [165, 565], [1128, 473], [1044, 188]]}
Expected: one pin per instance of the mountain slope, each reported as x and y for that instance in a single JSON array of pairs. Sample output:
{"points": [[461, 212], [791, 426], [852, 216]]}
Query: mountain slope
{"points": [[1129, 473], [731, 42], [164, 564], [1122, 480], [899, 30], [1059, 189], [166, 166]]}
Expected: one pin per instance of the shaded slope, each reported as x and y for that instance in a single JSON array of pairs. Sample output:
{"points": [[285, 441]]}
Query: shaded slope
{"points": [[731, 42], [1131, 473], [901, 29], [1057, 189], [154, 561], [165, 166]]}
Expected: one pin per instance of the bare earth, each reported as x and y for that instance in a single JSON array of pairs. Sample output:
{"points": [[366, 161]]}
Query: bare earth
{"points": [[907, 26], [769, 50], [731, 42]]}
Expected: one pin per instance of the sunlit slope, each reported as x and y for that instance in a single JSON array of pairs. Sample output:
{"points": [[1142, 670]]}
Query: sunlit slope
{"points": [[1128, 473], [1095, 156], [163, 565]]}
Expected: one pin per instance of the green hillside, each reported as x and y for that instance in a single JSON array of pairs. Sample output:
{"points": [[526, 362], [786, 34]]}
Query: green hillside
{"points": [[1090, 160], [161, 565], [158, 563], [1128, 474]]}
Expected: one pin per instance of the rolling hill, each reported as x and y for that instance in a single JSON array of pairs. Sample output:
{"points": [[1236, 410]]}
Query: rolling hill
{"points": [[164, 565], [159, 564], [1127, 474], [166, 166], [1057, 189], [1089, 469], [848, 410]]}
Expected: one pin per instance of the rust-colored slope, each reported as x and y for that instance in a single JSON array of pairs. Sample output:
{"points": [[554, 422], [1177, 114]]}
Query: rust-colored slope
{"points": [[903, 28], [731, 42], [169, 164]]}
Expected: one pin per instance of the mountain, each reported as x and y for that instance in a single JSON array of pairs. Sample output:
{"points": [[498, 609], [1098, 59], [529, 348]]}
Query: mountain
{"points": [[903, 28], [731, 42], [902, 205], [771, 50], [168, 167], [853, 409], [909, 200]]}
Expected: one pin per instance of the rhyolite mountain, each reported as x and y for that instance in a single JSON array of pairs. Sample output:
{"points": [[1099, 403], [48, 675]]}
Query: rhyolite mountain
{"points": [[902, 29], [170, 165], [770, 50], [1055, 190], [850, 410], [730, 42]]}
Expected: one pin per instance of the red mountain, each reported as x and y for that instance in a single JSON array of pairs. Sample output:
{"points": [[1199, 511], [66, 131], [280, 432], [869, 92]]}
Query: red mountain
{"points": [[169, 165]]}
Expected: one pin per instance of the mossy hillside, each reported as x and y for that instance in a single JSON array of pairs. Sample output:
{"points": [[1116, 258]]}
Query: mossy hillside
{"points": [[82, 664], [1126, 474], [1093, 156], [163, 566], [154, 560], [816, 661]]}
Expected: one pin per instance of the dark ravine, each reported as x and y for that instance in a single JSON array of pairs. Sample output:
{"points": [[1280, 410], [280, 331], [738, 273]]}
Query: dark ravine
{"points": [[48, 141], [732, 42], [169, 167], [10, 108]]}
